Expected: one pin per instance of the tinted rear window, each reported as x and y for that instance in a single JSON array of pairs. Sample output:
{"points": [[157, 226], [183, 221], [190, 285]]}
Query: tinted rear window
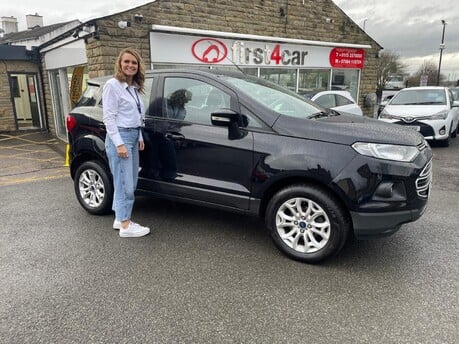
{"points": [[89, 96]]}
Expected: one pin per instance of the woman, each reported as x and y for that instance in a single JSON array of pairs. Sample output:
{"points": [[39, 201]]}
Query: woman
{"points": [[123, 117]]}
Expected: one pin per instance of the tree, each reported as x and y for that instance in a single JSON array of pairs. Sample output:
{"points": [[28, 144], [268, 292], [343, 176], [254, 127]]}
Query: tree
{"points": [[389, 63], [428, 69]]}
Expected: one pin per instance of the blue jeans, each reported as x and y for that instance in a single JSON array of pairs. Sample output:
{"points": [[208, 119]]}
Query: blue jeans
{"points": [[125, 172]]}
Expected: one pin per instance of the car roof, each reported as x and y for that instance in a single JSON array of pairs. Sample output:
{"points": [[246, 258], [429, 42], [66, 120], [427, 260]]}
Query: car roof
{"points": [[98, 81], [345, 94], [424, 88]]}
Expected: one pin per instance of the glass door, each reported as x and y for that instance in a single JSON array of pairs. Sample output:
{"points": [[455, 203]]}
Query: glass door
{"points": [[61, 102], [26, 102]]}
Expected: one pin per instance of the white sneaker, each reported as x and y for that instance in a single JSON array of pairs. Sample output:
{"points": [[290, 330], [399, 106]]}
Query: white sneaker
{"points": [[134, 230], [116, 224]]}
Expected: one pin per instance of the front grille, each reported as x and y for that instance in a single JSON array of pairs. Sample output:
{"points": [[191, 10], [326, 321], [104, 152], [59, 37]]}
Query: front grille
{"points": [[422, 145], [424, 180], [424, 129]]}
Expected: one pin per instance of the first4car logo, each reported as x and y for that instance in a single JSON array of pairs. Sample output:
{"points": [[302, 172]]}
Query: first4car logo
{"points": [[211, 50]]}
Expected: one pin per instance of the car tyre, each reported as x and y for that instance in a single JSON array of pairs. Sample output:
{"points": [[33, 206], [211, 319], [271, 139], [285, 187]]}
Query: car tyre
{"points": [[446, 142], [454, 132], [307, 223], [94, 187]]}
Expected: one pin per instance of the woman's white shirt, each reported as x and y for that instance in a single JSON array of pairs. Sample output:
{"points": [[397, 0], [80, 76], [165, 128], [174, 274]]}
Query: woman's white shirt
{"points": [[119, 104]]}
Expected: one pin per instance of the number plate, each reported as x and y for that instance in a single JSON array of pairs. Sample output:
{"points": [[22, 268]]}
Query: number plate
{"points": [[414, 127]]}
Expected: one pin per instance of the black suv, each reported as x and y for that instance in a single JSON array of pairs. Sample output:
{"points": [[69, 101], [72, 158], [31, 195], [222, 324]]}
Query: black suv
{"points": [[244, 144]]}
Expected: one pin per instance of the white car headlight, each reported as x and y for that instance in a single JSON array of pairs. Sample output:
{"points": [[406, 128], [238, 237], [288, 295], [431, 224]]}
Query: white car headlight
{"points": [[386, 151], [385, 115], [440, 115]]}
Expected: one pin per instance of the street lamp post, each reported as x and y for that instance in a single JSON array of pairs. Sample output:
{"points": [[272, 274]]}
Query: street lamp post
{"points": [[442, 46], [364, 22]]}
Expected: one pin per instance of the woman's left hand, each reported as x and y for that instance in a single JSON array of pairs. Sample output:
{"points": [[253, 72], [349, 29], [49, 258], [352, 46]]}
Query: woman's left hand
{"points": [[141, 145]]}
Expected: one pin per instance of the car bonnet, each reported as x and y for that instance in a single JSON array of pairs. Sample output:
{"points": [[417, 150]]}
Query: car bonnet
{"points": [[346, 129], [414, 110]]}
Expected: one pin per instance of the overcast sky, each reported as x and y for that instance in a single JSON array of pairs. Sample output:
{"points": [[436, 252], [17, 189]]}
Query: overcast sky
{"points": [[409, 28], [412, 29]]}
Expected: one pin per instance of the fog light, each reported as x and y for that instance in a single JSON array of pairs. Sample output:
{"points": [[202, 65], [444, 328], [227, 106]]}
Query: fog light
{"points": [[390, 191], [384, 190], [442, 130]]}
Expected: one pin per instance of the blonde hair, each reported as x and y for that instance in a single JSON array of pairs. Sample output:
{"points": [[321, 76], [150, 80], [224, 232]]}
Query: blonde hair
{"points": [[139, 77]]}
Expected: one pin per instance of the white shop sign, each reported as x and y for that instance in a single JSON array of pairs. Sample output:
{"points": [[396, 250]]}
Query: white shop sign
{"points": [[197, 49]]}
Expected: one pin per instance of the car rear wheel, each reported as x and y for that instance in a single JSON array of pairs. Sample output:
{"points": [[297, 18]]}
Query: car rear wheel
{"points": [[94, 188], [307, 223]]}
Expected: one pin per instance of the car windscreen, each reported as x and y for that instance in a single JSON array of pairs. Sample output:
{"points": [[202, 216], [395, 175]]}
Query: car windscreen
{"points": [[276, 98], [420, 97]]}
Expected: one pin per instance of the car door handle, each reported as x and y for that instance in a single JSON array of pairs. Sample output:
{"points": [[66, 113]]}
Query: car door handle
{"points": [[172, 136]]}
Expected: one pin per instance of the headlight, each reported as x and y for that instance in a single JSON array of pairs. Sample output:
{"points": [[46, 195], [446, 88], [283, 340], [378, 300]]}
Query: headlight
{"points": [[440, 115], [385, 115], [386, 151]]}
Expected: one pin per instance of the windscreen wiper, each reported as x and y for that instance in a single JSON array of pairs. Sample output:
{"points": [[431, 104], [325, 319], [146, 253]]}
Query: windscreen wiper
{"points": [[320, 114]]}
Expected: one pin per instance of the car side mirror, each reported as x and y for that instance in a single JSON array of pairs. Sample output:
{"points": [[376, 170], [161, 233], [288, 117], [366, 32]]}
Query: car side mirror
{"points": [[456, 103], [223, 117], [231, 119]]}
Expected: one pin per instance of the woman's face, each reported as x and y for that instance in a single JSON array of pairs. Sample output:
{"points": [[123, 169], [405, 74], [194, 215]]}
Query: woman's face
{"points": [[129, 65]]}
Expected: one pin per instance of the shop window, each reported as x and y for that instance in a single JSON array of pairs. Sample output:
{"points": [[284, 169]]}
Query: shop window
{"points": [[283, 77], [311, 81], [346, 80], [245, 70], [157, 66]]}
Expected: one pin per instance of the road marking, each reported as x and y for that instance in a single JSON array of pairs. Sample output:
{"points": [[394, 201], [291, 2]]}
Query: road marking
{"points": [[14, 180]]}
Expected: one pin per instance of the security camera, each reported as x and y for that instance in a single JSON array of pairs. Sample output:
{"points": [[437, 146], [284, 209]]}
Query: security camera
{"points": [[124, 24]]}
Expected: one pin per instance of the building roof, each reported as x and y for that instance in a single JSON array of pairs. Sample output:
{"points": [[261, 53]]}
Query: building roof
{"points": [[33, 33]]}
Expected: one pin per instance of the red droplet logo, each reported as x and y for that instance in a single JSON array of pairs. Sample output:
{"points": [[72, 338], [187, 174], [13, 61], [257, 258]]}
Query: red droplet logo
{"points": [[209, 50]]}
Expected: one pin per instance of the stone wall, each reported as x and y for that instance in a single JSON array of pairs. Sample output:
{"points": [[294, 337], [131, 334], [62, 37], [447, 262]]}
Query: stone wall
{"points": [[7, 121], [317, 20], [48, 101]]}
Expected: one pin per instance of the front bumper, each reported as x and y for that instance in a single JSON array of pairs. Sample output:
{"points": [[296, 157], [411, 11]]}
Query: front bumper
{"points": [[430, 129], [371, 225], [386, 194]]}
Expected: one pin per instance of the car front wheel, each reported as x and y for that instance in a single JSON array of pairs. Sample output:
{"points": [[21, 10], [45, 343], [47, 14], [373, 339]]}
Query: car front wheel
{"points": [[307, 223], [94, 188]]}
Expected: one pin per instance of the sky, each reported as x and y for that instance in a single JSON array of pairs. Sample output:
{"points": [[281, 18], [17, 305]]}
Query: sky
{"points": [[411, 29]]}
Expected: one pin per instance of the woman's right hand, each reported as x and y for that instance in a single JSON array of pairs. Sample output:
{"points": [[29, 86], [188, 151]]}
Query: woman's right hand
{"points": [[122, 152]]}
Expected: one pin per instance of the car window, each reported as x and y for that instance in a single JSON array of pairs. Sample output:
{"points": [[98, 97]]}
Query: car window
{"points": [[274, 97], [147, 91], [455, 92], [89, 96], [341, 100], [327, 101], [192, 100]]}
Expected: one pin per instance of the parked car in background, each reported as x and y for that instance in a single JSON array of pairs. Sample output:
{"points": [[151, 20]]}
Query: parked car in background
{"points": [[250, 146], [384, 102], [455, 91], [430, 110], [340, 101], [395, 82]]}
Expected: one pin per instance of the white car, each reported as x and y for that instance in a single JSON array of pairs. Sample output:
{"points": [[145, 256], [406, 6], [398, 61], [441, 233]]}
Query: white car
{"points": [[340, 101], [431, 110]]}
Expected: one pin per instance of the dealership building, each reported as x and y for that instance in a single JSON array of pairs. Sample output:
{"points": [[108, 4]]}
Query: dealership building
{"points": [[304, 45]]}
